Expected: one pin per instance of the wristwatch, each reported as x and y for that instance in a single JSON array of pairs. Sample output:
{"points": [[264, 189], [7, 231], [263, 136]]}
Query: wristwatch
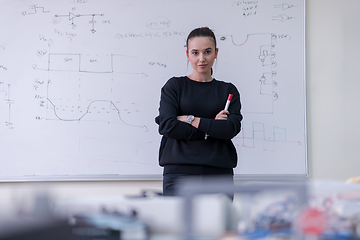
{"points": [[190, 118]]}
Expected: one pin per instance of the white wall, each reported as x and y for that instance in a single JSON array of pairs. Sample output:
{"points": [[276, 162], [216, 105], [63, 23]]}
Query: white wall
{"points": [[333, 83]]}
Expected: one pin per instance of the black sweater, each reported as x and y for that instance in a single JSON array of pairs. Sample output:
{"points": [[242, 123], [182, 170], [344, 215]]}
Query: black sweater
{"points": [[184, 148]]}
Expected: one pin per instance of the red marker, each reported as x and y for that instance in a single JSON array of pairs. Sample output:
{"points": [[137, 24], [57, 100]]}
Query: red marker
{"points": [[228, 102]]}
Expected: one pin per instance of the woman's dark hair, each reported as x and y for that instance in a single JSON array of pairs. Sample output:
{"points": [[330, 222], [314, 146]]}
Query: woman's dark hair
{"points": [[201, 32]]}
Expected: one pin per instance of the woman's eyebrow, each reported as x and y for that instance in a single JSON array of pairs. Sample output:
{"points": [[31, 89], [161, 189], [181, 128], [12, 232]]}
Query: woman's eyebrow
{"points": [[194, 50]]}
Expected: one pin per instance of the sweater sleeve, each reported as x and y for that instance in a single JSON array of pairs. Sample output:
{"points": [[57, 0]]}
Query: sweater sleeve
{"points": [[225, 129], [169, 125]]}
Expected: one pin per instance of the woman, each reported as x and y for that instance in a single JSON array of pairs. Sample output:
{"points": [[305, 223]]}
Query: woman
{"points": [[196, 131]]}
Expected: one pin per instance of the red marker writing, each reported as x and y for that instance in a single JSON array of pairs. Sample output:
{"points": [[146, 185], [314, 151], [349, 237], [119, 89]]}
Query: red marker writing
{"points": [[228, 102]]}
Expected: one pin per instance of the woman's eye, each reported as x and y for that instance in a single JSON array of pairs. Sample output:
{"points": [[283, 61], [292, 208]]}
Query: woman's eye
{"points": [[208, 52], [194, 53]]}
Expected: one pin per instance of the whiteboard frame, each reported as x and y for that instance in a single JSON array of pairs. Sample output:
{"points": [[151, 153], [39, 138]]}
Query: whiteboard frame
{"points": [[149, 177], [158, 177]]}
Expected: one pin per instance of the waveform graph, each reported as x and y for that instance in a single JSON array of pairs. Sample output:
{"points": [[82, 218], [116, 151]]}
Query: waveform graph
{"points": [[257, 137], [255, 61], [95, 63], [279, 134], [260, 137], [98, 107], [95, 111], [269, 145], [95, 88], [91, 97], [95, 100], [79, 63], [131, 89], [102, 137], [64, 101], [63, 62], [268, 138]]}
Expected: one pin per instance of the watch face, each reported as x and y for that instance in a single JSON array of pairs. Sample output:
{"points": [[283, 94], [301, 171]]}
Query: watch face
{"points": [[190, 118]]}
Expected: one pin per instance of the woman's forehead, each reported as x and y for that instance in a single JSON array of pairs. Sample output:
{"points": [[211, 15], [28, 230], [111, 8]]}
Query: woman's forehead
{"points": [[201, 43]]}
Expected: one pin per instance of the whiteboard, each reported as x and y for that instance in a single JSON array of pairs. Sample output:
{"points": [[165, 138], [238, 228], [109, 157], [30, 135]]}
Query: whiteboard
{"points": [[80, 83]]}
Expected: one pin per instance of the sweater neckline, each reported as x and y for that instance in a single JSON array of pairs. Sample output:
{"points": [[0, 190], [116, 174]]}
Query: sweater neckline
{"points": [[200, 82]]}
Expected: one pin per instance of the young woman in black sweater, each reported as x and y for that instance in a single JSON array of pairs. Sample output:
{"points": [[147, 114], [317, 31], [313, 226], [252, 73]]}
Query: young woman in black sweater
{"points": [[196, 130]]}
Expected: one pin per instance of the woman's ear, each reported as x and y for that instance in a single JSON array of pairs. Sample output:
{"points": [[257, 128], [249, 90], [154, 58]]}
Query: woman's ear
{"points": [[216, 52], [187, 54]]}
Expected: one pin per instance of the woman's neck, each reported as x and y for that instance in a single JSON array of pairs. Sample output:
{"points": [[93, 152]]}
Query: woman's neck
{"points": [[201, 77]]}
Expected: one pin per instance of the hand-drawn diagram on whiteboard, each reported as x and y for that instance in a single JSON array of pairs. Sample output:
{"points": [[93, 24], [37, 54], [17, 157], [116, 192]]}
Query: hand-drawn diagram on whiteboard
{"points": [[260, 83], [72, 17], [258, 138], [260, 80], [283, 17], [6, 104], [92, 91], [6, 101], [34, 9], [86, 93], [284, 6]]}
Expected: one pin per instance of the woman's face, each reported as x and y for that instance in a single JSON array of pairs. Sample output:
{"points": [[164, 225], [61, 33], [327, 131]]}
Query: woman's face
{"points": [[201, 53]]}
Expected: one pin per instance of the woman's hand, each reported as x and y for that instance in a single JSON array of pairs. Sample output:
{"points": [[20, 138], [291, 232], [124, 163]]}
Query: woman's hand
{"points": [[182, 118], [222, 115]]}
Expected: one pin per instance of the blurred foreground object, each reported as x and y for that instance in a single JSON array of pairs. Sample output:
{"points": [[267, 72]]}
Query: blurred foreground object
{"points": [[353, 180], [41, 223]]}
